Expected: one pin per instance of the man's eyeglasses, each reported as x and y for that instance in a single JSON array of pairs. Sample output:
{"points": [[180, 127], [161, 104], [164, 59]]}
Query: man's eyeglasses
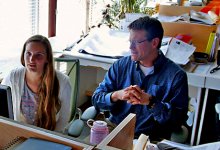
{"points": [[135, 43]]}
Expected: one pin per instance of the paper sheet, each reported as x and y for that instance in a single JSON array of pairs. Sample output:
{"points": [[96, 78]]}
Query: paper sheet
{"points": [[179, 51], [165, 44], [164, 18], [208, 146], [106, 42]]}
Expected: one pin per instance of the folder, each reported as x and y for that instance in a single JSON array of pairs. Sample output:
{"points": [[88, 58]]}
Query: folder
{"points": [[40, 144], [210, 43]]}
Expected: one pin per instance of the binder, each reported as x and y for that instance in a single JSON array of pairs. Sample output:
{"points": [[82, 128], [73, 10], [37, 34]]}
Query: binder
{"points": [[210, 42], [40, 144], [21, 143], [14, 143], [213, 49]]}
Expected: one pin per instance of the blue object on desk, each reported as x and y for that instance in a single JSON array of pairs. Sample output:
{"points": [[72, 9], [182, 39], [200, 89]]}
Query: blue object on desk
{"points": [[76, 128], [112, 57], [40, 144]]}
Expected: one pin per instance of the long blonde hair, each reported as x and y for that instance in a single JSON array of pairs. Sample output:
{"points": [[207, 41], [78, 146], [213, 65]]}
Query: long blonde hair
{"points": [[48, 91]]}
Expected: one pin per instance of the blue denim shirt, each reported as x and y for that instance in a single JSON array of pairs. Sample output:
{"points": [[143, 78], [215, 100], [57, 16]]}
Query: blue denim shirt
{"points": [[168, 85]]}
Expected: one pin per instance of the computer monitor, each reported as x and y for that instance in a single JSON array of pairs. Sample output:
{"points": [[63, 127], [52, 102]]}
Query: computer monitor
{"points": [[6, 107]]}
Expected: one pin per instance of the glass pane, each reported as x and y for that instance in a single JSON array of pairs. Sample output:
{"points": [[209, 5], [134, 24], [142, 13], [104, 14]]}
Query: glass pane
{"points": [[71, 19], [18, 21]]}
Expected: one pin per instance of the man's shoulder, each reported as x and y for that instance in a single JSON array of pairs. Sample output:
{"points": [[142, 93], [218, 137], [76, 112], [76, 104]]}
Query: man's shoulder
{"points": [[175, 67], [124, 60]]}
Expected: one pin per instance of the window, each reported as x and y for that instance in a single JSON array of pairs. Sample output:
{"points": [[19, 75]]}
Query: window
{"points": [[71, 19], [19, 19]]}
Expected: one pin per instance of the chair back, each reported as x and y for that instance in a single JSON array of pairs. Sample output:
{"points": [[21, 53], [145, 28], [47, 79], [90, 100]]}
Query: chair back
{"points": [[70, 66]]}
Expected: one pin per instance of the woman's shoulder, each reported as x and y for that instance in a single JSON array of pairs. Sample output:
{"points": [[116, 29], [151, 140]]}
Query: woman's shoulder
{"points": [[14, 75], [17, 71]]}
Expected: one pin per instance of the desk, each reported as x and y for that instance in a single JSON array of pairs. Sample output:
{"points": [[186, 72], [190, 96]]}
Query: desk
{"points": [[212, 81], [11, 129], [195, 79]]}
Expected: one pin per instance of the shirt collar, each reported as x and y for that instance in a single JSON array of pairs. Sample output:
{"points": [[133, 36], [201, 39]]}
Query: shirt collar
{"points": [[160, 60]]}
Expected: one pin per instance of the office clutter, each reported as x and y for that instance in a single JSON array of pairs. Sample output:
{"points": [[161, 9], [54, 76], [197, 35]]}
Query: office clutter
{"points": [[143, 143], [213, 5], [209, 18], [166, 144], [205, 41], [186, 25]]}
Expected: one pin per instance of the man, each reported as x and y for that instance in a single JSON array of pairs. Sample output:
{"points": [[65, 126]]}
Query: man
{"points": [[146, 83]]}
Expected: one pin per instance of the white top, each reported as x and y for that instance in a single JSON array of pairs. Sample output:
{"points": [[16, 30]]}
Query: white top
{"points": [[15, 80], [147, 70]]}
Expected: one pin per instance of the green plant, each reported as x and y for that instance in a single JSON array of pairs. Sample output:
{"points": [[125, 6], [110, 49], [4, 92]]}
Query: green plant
{"points": [[131, 6], [111, 15], [116, 9]]}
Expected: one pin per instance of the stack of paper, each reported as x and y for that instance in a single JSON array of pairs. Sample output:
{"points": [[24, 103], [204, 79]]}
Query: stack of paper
{"points": [[201, 17]]}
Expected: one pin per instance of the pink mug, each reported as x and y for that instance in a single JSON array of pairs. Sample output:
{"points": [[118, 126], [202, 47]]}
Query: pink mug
{"points": [[98, 132]]}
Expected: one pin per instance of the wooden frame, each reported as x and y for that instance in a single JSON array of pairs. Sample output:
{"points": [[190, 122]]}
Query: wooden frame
{"points": [[10, 129], [122, 136]]}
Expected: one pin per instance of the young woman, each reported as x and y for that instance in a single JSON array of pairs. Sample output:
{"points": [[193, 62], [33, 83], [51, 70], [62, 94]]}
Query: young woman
{"points": [[41, 95]]}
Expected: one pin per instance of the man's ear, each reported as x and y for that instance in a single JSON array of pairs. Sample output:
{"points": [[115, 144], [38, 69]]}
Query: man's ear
{"points": [[155, 42]]}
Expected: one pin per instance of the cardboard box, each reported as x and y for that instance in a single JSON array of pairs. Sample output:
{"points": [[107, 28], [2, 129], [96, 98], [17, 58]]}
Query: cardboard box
{"points": [[199, 32], [176, 10]]}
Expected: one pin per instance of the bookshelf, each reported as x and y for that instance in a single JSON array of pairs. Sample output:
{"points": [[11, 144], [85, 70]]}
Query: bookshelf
{"points": [[199, 39]]}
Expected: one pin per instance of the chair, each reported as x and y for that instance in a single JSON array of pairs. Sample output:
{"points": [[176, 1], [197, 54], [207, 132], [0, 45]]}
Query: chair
{"points": [[70, 66]]}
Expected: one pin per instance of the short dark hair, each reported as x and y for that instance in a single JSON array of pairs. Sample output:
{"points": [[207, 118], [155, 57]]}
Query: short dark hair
{"points": [[152, 26]]}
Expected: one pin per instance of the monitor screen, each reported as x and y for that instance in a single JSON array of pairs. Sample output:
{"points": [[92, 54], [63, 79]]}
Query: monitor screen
{"points": [[6, 107]]}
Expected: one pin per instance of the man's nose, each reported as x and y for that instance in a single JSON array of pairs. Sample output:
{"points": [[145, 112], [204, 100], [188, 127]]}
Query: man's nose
{"points": [[132, 45]]}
